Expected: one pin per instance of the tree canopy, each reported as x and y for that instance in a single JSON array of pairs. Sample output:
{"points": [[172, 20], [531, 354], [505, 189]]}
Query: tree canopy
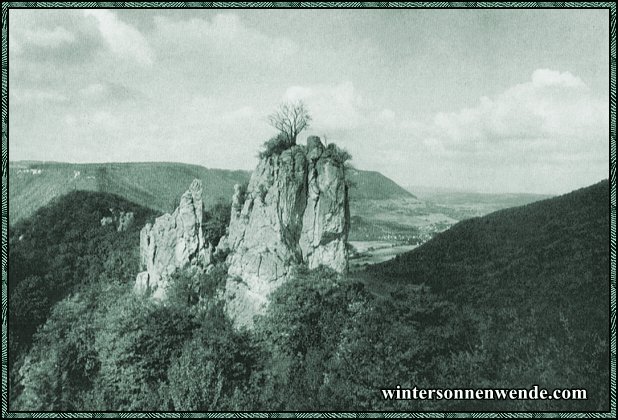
{"points": [[290, 119]]}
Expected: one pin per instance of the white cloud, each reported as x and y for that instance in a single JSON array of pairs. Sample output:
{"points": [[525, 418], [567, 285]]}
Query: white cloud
{"points": [[26, 29], [100, 93], [30, 96], [122, 39], [224, 37], [332, 107], [94, 117], [208, 111], [42, 37], [554, 113], [546, 77], [26, 33], [547, 134], [14, 45], [386, 116], [93, 90]]}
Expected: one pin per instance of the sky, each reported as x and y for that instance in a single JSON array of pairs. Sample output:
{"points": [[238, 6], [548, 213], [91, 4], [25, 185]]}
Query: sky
{"points": [[480, 100]]}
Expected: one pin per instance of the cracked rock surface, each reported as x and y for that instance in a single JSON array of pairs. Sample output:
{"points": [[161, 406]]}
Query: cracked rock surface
{"points": [[295, 211], [174, 241]]}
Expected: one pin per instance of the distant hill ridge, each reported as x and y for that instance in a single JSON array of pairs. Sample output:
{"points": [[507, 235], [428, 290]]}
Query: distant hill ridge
{"points": [[153, 185], [156, 185], [372, 185]]}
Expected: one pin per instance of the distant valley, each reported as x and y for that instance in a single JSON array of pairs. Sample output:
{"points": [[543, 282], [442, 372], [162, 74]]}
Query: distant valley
{"points": [[462, 205]]}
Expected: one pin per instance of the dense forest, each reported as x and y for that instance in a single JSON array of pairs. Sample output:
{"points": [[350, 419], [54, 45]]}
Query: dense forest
{"points": [[533, 281], [513, 299]]}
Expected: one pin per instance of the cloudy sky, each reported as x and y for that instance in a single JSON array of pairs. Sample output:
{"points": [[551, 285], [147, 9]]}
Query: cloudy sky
{"points": [[483, 100]]}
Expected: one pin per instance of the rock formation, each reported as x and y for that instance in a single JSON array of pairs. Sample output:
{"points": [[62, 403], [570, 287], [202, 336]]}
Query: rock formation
{"points": [[174, 241], [123, 220], [326, 219], [295, 211]]}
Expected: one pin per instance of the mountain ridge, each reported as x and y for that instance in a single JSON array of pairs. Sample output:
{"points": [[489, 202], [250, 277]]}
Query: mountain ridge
{"points": [[152, 184]]}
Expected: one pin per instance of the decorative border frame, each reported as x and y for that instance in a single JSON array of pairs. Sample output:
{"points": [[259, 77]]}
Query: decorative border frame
{"points": [[612, 175]]}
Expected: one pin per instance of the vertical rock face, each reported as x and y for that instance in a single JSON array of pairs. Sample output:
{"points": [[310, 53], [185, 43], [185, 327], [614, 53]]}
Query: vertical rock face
{"points": [[326, 218], [174, 241], [295, 211]]}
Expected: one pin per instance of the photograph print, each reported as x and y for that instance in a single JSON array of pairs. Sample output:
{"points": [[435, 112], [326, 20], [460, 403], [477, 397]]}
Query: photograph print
{"points": [[308, 210]]}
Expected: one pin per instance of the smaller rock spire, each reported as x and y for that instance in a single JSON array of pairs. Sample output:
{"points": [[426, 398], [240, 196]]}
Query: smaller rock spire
{"points": [[174, 241]]}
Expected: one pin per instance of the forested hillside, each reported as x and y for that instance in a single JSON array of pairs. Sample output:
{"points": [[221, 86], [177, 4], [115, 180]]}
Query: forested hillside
{"points": [[514, 299], [534, 283], [64, 247]]}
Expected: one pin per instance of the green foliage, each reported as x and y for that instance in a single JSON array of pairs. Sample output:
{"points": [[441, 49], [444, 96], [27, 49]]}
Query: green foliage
{"points": [[506, 301], [395, 341], [330, 344], [62, 246], [304, 301], [193, 286], [58, 373], [533, 281], [216, 220], [336, 153], [275, 146], [29, 306], [106, 348], [196, 378], [210, 369], [299, 332], [136, 341]]}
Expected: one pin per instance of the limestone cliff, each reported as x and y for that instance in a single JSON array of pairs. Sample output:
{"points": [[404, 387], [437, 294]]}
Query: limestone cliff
{"points": [[295, 211], [326, 219], [174, 241]]}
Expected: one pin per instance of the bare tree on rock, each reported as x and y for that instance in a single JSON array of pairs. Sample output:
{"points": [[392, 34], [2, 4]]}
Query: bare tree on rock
{"points": [[290, 119]]}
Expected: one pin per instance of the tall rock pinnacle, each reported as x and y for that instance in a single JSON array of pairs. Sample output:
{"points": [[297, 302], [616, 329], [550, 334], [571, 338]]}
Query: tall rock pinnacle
{"points": [[295, 211]]}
